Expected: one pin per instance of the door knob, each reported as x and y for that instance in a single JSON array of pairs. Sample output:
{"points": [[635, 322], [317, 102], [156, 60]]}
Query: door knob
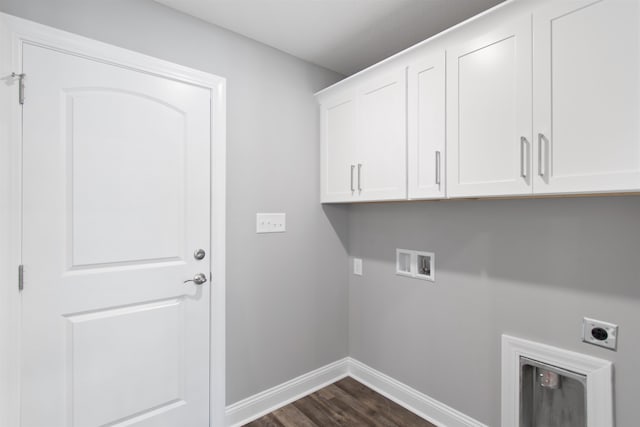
{"points": [[198, 279], [199, 254]]}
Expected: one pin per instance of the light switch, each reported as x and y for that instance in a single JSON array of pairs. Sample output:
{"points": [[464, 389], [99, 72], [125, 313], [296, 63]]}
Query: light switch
{"points": [[270, 223]]}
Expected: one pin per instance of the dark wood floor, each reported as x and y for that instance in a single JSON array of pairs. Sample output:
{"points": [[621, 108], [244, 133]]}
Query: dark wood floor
{"points": [[344, 403]]}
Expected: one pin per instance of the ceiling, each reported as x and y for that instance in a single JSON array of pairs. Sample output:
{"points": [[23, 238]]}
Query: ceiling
{"points": [[342, 35]]}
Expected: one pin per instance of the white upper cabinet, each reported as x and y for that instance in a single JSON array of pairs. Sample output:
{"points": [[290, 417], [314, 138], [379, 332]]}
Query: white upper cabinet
{"points": [[426, 126], [586, 94], [338, 148], [381, 170], [538, 97], [363, 141], [489, 112]]}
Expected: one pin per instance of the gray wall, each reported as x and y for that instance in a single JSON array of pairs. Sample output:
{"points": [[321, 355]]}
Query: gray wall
{"points": [[529, 268], [287, 301]]}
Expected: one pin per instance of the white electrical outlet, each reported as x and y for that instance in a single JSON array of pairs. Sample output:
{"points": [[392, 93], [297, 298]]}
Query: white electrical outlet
{"points": [[597, 332], [271, 223], [357, 266]]}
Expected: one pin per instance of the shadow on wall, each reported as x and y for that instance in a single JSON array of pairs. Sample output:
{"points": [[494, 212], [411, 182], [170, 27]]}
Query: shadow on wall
{"points": [[589, 244], [336, 215]]}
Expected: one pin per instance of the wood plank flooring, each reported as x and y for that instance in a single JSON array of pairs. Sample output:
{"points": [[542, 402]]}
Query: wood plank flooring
{"points": [[344, 403]]}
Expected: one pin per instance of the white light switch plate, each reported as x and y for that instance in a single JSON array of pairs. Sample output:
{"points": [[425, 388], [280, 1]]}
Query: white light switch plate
{"points": [[271, 223]]}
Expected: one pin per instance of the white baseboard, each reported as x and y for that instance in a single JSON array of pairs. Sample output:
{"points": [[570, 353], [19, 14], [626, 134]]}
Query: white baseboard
{"points": [[255, 406], [419, 403]]}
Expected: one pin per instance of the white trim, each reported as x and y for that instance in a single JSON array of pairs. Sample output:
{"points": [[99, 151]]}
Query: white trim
{"points": [[419, 403], [14, 33], [269, 400], [598, 373], [10, 247], [218, 293]]}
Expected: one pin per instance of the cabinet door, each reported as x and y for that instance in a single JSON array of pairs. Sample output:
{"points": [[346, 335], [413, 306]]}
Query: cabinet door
{"points": [[426, 121], [381, 172], [337, 146], [587, 88], [489, 113]]}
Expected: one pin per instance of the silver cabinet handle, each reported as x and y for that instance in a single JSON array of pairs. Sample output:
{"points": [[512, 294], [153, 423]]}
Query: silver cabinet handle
{"points": [[198, 279], [540, 138], [352, 168], [438, 171], [523, 150], [359, 176]]}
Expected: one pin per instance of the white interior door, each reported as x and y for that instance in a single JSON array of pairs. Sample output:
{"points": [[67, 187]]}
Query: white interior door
{"points": [[587, 81], [489, 108], [116, 198], [426, 132], [382, 137]]}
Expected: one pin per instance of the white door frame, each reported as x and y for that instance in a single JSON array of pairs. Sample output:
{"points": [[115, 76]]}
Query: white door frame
{"points": [[14, 34]]}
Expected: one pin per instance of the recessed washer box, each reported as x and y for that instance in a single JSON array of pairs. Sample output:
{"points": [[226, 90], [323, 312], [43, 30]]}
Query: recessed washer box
{"points": [[415, 264]]}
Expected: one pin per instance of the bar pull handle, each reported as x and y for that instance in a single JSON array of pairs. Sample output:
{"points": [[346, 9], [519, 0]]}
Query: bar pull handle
{"points": [[359, 176], [540, 156], [352, 168], [523, 153], [438, 168]]}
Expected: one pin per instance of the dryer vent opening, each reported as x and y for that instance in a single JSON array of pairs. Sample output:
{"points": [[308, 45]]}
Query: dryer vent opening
{"points": [[551, 396]]}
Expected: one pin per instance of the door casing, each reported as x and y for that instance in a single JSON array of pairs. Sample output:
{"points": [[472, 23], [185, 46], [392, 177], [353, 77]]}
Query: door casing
{"points": [[14, 34]]}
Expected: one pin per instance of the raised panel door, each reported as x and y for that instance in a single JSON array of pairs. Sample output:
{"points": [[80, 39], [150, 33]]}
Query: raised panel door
{"points": [[116, 197]]}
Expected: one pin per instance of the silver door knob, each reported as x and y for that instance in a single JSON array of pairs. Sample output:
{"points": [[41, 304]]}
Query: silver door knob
{"points": [[199, 254], [198, 279]]}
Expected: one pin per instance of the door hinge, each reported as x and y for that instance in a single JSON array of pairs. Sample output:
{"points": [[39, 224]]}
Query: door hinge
{"points": [[20, 277], [20, 78]]}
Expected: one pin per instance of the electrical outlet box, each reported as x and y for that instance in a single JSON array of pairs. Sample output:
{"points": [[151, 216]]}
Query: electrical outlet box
{"points": [[357, 266], [415, 264], [597, 332], [271, 223]]}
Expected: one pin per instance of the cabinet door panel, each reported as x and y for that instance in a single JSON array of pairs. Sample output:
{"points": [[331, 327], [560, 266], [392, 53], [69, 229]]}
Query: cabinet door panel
{"points": [[338, 141], [382, 144], [587, 87], [489, 113], [426, 132]]}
